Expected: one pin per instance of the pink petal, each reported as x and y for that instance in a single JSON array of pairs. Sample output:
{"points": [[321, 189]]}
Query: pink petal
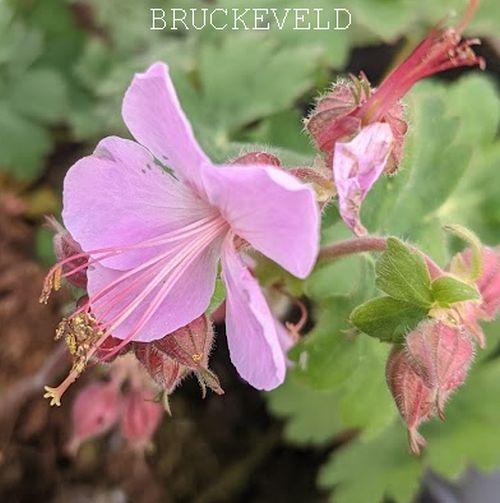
{"points": [[271, 209], [187, 299], [251, 332], [357, 165], [141, 417], [153, 114], [95, 410], [118, 196]]}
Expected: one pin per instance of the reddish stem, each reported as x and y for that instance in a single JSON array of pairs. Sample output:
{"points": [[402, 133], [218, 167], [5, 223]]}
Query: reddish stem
{"points": [[367, 244]]}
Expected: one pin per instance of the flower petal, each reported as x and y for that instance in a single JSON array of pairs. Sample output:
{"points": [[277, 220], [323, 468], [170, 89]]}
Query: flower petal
{"points": [[118, 196], [153, 114], [187, 299], [254, 346], [271, 209], [357, 165]]}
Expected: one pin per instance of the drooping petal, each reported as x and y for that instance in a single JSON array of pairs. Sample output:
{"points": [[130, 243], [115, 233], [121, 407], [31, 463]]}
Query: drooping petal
{"points": [[253, 342], [187, 298], [357, 165], [272, 210], [153, 114], [118, 196]]}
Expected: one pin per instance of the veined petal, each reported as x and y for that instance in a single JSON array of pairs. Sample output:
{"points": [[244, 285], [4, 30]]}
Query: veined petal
{"points": [[173, 300], [118, 196], [272, 210], [153, 114], [357, 165], [253, 342]]}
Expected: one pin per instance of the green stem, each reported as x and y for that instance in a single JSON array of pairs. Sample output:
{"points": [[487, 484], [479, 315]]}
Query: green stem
{"points": [[353, 246]]}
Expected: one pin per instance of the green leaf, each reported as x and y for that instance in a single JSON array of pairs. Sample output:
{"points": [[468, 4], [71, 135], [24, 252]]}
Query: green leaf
{"points": [[283, 129], [386, 318], [341, 277], [257, 79], [332, 359], [447, 290], [40, 95], [312, 416], [373, 470], [23, 145], [402, 274]]}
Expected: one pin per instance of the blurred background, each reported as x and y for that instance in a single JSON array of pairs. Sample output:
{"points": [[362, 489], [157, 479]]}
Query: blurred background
{"points": [[331, 433]]}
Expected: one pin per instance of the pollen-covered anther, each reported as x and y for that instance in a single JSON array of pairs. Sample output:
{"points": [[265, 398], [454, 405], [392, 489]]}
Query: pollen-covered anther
{"points": [[52, 283], [82, 335]]}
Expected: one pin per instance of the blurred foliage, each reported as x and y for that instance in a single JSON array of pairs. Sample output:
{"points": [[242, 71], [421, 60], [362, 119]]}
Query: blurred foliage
{"points": [[64, 66]]}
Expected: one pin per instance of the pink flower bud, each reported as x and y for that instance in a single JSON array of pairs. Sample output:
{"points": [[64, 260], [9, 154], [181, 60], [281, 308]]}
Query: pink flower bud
{"points": [[413, 398], [257, 158], [95, 410], [335, 118], [141, 417], [440, 355], [64, 248], [488, 283]]}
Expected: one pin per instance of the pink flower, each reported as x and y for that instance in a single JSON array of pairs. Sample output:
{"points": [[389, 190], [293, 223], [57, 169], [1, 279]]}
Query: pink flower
{"points": [[95, 411], [357, 165], [154, 235], [140, 418]]}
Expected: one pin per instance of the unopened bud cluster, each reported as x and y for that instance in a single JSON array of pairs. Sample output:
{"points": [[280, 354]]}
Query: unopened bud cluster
{"points": [[435, 357]]}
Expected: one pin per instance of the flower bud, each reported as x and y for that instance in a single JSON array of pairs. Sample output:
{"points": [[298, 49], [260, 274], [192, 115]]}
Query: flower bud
{"points": [[141, 417], [165, 371], [335, 119], [413, 398], [440, 354], [257, 158], [95, 410], [351, 106], [488, 282], [65, 247], [319, 179]]}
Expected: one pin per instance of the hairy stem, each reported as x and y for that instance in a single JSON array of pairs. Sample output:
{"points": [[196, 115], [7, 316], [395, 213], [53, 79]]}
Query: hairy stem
{"points": [[352, 246]]}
